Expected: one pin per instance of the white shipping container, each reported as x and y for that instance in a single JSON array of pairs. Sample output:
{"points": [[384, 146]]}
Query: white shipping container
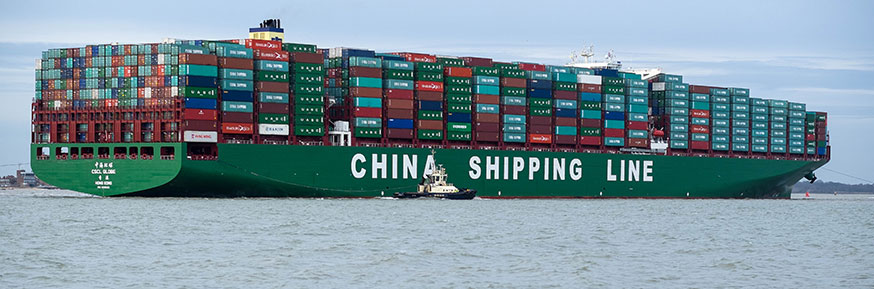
{"points": [[38, 64], [658, 86], [273, 129], [174, 91], [589, 79], [200, 136], [147, 92]]}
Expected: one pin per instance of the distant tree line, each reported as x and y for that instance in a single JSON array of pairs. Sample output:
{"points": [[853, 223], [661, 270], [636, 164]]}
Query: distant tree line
{"points": [[820, 187]]}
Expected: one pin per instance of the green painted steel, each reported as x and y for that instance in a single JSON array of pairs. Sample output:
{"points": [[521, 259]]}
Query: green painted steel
{"points": [[264, 170], [237, 106]]}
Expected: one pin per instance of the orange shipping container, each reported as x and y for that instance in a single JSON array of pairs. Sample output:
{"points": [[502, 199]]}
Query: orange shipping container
{"points": [[540, 138]]}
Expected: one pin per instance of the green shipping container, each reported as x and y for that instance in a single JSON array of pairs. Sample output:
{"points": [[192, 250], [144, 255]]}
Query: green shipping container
{"points": [[309, 130], [368, 132], [237, 106], [273, 118], [458, 127], [430, 134], [590, 131], [366, 82], [190, 91], [566, 130], [198, 70], [240, 74], [309, 110], [616, 124]]}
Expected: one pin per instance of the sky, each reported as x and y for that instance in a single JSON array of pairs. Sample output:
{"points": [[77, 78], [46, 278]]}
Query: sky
{"points": [[817, 52]]}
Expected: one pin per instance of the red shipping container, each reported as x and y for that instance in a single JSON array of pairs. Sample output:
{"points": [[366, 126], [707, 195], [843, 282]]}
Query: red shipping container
{"points": [[477, 61], [487, 99], [614, 132], [261, 44], [590, 140], [487, 126], [540, 138], [532, 66], [271, 55], [365, 92], [638, 125], [238, 117], [199, 114], [699, 89], [488, 136], [565, 139], [399, 94], [697, 128], [417, 57], [810, 137], [237, 128], [513, 82], [563, 94], [399, 113], [429, 86], [399, 103], [358, 71], [270, 86], [197, 59], [306, 57], [430, 124], [208, 125], [540, 120], [458, 71], [637, 142], [699, 113], [699, 145], [515, 109], [236, 63], [266, 107], [584, 87], [566, 121], [540, 129], [429, 95], [367, 112], [399, 133], [488, 117]]}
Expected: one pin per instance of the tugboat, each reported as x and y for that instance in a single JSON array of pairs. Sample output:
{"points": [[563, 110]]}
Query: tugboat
{"points": [[435, 186]]}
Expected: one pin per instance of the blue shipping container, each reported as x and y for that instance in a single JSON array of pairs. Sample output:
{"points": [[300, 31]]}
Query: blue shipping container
{"points": [[200, 103], [539, 93], [400, 123], [457, 117], [614, 115]]}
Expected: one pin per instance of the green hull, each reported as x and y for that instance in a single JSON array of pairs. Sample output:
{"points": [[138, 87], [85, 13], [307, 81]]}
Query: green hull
{"points": [[245, 170]]}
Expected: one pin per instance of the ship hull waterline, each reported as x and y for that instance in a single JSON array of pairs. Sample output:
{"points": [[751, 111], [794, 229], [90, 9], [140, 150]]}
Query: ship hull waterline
{"points": [[246, 170]]}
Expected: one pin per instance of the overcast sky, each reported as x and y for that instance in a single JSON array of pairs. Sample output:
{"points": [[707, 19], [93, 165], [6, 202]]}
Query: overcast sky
{"points": [[817, 52]]}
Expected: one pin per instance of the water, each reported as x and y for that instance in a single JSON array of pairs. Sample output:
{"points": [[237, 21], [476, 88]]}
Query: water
{"points": [[57, 239]]}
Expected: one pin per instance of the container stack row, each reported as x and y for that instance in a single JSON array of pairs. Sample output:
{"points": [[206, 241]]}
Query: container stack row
{"points": [[194, 91]]}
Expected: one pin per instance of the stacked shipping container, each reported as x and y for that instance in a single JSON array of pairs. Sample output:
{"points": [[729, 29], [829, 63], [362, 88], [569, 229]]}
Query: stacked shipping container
{"points": [[263, 91]]}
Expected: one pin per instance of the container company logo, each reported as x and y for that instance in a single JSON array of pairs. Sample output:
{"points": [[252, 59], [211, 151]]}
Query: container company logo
{"points": [[394, 166], [241, 128], [429, 85], [103, 170]]}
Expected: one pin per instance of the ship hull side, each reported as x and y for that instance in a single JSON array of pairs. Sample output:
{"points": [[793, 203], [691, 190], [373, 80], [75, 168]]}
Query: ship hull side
{"points": [[316, 171]]}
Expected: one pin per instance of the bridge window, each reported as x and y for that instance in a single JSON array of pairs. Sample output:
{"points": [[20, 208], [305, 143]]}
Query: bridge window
{"points": [[120, 153], [62, 153], [168, 153], [147, 152], [42, 153], [134, 152], [103, 152], [87, 153]]}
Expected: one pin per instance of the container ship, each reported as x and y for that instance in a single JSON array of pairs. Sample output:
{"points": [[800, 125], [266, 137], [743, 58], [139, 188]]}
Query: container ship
{"points": [[259, 117]]}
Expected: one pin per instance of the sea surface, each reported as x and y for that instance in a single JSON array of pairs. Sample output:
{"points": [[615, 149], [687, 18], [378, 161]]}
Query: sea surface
{"points": [[61, 239]]}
